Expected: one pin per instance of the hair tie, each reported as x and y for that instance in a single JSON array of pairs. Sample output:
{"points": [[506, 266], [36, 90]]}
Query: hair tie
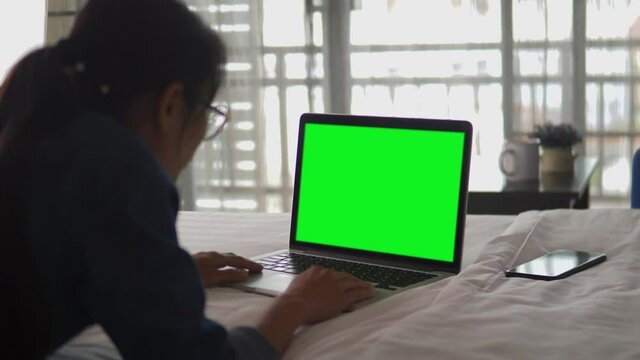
{"points": [[70, 54], [105, 89]]}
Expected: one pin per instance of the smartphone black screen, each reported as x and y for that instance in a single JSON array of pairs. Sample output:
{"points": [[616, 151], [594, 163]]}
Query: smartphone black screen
{"points": [[557, 264]]}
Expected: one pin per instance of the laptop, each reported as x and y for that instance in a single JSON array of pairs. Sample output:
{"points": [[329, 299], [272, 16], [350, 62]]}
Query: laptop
{"points": [[382, 198]]}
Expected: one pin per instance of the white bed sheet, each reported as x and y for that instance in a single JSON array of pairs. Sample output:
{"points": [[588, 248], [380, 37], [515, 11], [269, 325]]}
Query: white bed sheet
{"points": [[478, 314]]}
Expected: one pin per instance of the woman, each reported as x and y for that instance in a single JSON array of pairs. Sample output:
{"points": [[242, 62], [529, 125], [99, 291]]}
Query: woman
{"points": [[93, 133]]}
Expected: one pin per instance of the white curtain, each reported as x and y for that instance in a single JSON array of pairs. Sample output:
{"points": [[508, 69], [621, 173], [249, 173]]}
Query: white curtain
{"points": [[374, 57], [274, 74]]}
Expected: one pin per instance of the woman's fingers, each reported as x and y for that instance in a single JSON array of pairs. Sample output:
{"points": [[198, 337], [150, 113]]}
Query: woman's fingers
{"points": [[228, 276], [352, 282], [355, 290], [326, 293], [240, 262], [225, 276], [217, 260], [359, 293], [222, 269]]}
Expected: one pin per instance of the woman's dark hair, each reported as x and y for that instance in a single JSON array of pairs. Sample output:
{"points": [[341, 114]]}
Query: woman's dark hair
{"points": [[117, 51]]}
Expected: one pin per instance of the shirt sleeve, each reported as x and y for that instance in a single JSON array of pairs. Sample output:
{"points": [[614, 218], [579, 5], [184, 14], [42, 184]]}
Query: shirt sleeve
{"points": [[140, 285], [248, 343]]}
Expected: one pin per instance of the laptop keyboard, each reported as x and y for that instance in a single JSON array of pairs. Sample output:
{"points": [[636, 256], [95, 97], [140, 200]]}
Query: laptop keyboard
{"points": [[381, 277]]}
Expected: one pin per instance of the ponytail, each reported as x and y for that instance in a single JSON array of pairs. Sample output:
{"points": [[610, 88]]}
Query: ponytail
{"points": [[37, 90]]}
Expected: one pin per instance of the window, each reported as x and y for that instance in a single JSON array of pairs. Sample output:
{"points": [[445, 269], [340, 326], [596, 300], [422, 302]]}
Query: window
{"points": [[60, 16], [505, 65], [409, 58], [612, 97]]}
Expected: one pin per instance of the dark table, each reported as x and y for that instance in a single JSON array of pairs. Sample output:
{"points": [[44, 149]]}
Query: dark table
{"points": [[491, 193]]}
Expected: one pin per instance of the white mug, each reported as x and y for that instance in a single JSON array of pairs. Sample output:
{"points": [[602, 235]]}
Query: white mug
{"points": [[520, 160]]}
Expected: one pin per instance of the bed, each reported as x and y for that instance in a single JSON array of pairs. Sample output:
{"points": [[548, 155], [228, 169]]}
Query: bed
{"points": [[479, 314]]}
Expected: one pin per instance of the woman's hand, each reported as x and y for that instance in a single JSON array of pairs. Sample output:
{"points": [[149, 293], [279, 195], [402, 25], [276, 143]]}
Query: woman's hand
{"points": [[313, 296], [326, 293], [222, 269]]}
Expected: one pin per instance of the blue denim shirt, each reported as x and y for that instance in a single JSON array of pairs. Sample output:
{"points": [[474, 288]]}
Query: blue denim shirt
{"points": [[101, 215]]}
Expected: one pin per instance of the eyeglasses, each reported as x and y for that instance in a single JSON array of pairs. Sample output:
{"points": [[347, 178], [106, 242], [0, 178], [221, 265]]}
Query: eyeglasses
{"points": [[217, 118]]}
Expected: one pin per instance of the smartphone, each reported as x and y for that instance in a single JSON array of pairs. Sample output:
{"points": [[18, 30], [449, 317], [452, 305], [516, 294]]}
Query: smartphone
{"points": [[557, 264]]}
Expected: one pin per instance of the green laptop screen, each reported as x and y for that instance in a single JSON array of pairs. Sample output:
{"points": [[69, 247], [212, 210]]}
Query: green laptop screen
{"points": [[392, 191]]}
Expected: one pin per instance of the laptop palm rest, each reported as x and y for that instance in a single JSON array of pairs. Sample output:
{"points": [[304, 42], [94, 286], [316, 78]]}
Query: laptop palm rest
{"points": [[268, 283]]}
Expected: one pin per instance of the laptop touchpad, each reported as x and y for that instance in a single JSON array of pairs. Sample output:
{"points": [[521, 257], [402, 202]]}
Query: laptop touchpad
{"points": [[271, 284]]}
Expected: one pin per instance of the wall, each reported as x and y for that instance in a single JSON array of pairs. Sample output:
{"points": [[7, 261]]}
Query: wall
{"points": [[22, 28]]}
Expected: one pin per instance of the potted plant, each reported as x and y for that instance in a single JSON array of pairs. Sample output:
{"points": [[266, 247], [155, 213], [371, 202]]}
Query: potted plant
{"points": [[557, 142]]}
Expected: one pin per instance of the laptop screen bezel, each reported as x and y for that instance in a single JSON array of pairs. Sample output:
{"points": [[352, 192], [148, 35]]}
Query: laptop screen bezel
{"points": [[459, 126]]}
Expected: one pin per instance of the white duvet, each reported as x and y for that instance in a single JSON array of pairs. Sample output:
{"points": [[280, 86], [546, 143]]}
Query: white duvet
{"points": [[479, 314]]}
